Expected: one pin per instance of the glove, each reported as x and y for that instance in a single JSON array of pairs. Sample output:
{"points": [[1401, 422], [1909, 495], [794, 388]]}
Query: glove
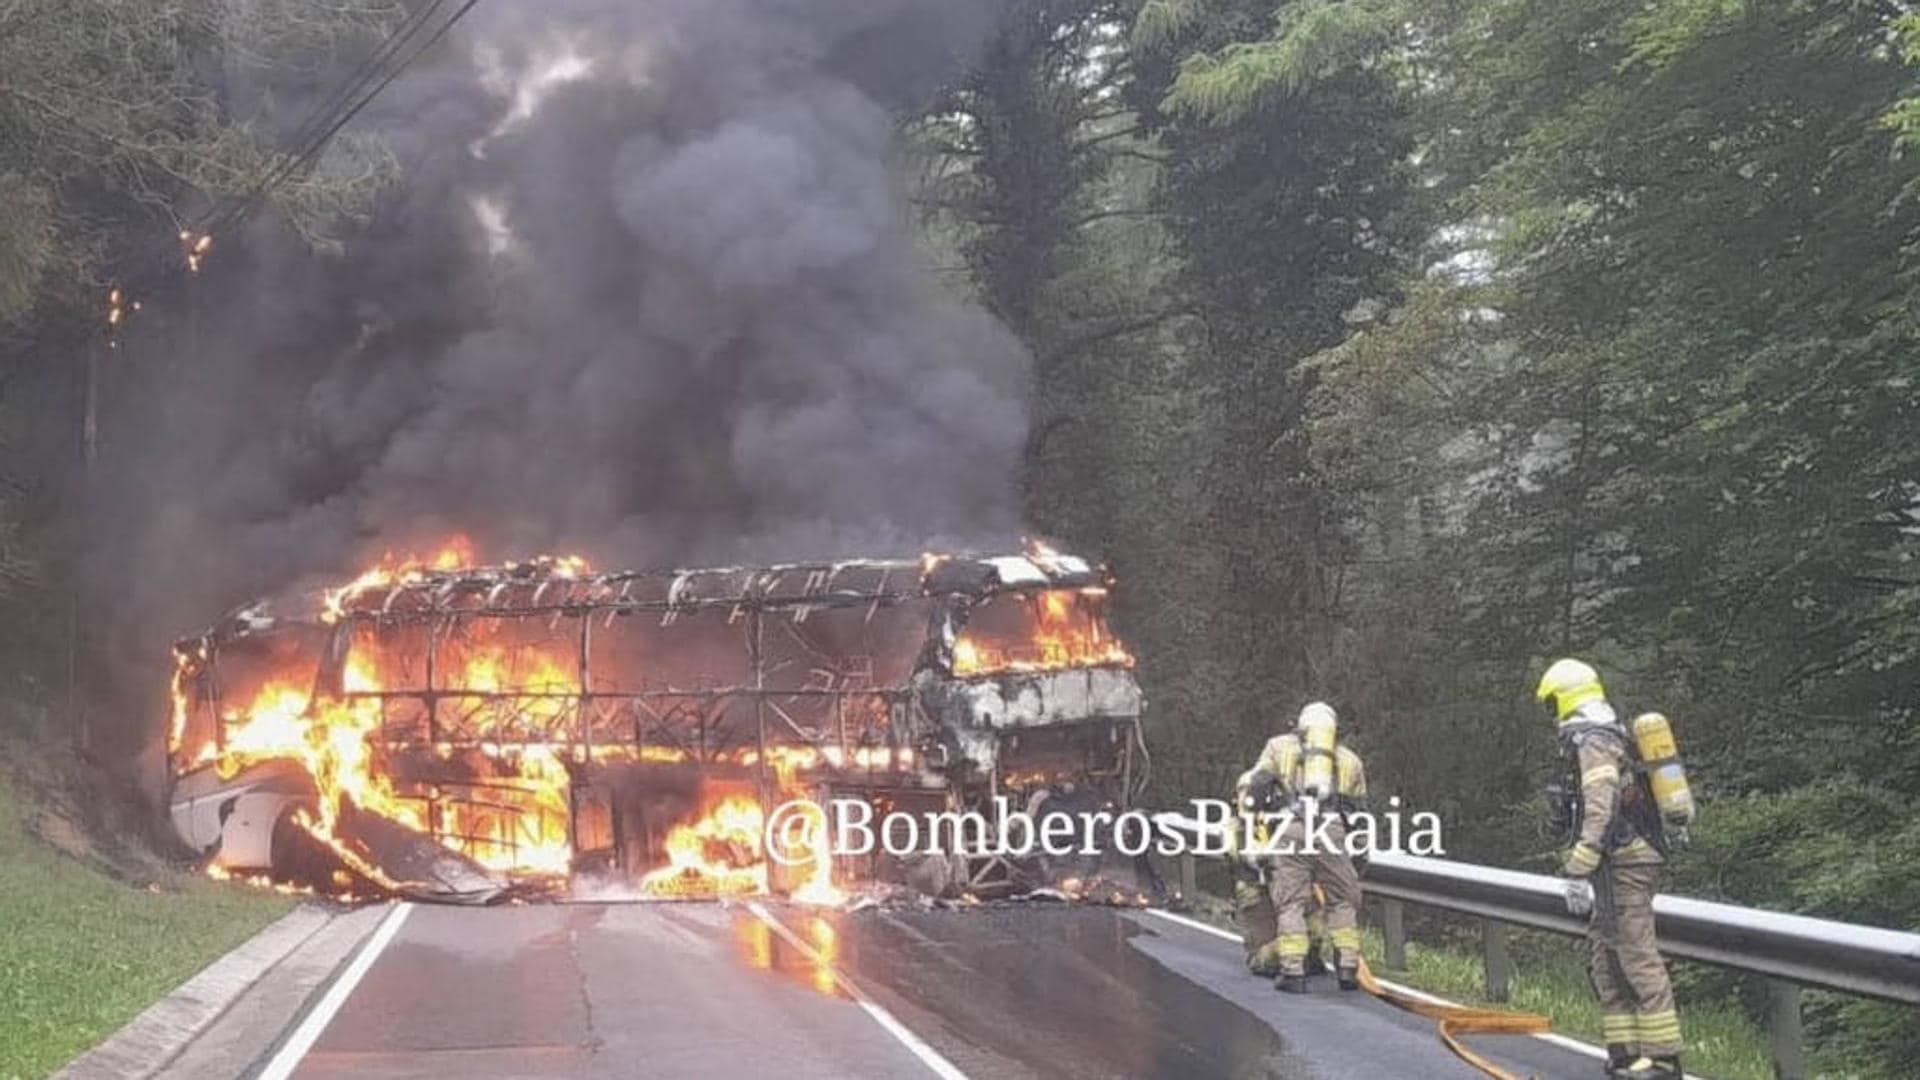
{"points": [[1581, 860], [1263, 793], [1579, 896]]}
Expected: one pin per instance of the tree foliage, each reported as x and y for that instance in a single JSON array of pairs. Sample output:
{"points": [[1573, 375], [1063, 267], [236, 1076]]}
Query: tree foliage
{"points": [[113, 128], [119, 125], [1388, 349], [1513, 328]]}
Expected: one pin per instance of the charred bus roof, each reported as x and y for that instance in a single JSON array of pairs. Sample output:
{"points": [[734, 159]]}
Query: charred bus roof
{"points": [[549, 586]]}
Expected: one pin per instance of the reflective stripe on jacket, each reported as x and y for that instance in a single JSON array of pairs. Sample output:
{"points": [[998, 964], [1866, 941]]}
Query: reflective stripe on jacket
{"points": [[1600, 754]]}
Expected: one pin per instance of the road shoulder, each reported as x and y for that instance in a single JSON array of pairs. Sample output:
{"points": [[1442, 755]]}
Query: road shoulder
{"points": [[158, 1035], [259, 1019]]}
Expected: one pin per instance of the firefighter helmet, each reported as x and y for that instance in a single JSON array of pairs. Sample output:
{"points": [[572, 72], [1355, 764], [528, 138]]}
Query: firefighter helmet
{"points": [[1570, 684], [1314, 715]]}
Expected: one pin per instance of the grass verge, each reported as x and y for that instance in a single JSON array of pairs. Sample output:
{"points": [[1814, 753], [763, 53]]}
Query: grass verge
{"points": [[82, 952], [1551, 979]]}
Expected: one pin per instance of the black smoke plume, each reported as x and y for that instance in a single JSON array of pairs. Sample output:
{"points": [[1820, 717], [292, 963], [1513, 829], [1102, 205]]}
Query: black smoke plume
{"points": [[646, 289]]}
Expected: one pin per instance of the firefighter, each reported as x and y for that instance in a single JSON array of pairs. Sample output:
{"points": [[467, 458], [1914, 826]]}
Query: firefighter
{"points": [[1252, 906], [1253, 903], [1318, 778], [1613, 868]]}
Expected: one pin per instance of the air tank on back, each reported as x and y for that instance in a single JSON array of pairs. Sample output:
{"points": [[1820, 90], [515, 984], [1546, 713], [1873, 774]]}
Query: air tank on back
{"points": [[1319, 731], [1660, 757]]}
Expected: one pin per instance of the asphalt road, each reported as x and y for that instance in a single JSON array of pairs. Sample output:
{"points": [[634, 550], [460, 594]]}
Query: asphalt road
{"points": [[666, 990]]}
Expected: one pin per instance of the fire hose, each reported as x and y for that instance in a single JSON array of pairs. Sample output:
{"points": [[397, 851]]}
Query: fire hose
{"points": [[1457, 1020], [1452, 1020]]}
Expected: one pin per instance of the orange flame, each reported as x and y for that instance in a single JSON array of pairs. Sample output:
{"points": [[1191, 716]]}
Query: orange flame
{"points": [[455, 554], [717, 855], [522, 825], [196, 246], [513, 811], [1060, 633], [722, 853]]}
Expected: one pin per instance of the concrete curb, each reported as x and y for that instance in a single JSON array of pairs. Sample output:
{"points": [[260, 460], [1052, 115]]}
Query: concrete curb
{"points": [[155, 1037]]}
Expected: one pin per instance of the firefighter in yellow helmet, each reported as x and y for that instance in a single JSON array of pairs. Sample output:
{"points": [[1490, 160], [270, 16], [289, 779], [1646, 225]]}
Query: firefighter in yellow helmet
{"points": [[1613, 868], [1316, 777], [1249, 870]]}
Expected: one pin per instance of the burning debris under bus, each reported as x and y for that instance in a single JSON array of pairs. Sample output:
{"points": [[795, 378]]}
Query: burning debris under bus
{"points": [[457, 733]]}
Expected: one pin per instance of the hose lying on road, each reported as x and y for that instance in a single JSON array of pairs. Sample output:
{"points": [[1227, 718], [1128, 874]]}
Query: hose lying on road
{"points": [[1457, 1020]]}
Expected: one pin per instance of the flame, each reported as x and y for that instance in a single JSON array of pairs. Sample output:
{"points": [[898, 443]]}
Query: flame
{"points": [[1062, 633], [722, 853], [521, 825], [718, 854], [195, 246], [521, 828], [262, 881], [183, 663], [787, 761], [816, 885], [455, 554], [507, 803]]}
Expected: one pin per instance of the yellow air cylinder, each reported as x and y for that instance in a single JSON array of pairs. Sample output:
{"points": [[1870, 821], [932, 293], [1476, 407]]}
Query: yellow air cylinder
{"points": [[1318, 732], [1660, 756]]}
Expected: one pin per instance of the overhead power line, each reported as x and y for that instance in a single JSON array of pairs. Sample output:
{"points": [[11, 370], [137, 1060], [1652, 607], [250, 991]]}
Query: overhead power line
{"points": [[419, 32], [329, 109], [345, 105]]}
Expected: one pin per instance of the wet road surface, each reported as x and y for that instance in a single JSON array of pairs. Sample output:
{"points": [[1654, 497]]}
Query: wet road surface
{"points": [[747, 989]]}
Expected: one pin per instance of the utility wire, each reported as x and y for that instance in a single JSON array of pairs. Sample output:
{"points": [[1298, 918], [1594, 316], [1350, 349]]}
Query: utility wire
{"points": [[311, 152], [378, 70], [324, 113]]}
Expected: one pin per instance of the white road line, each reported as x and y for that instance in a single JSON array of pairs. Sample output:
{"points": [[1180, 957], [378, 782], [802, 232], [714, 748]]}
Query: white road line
{"points": [[932, 1058], [1555, 1039], [1193, 924], [309, 1031]]}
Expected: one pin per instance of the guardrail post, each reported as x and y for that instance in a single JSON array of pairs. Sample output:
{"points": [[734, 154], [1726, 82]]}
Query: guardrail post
{"points": [[1499, 966], [1783, 1024], [1189, 877], [1393, 932]]}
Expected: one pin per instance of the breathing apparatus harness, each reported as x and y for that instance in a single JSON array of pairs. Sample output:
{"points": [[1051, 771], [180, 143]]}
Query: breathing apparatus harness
{"points": [[1635, 813]]}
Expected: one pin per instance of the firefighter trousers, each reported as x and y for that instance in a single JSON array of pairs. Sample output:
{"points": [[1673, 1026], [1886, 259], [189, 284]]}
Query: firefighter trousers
{"points": [[1292, 880], [1253, 907], [1629, 977]]}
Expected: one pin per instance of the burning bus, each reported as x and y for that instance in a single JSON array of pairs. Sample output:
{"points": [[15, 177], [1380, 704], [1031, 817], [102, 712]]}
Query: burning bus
{"points": [[456, 732]]}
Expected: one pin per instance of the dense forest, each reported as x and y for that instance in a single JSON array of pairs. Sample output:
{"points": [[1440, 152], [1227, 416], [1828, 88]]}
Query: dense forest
{"points": [[1386, 349]]}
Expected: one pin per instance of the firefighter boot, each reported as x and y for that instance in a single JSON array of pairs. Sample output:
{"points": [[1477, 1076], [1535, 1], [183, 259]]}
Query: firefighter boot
{"points": [[1618, 1058], [1650, 1068], [1291, 984], [1349, 978], [1316, 963]]}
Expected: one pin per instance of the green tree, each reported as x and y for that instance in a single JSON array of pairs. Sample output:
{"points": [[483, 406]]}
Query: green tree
{"points": [[1645, 402], [113, 130], [119, 125], [1284, 132]]}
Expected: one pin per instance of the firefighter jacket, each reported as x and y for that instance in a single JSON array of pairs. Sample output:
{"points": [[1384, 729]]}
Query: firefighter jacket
{"points": [[1596, 746], [1282, 758]]}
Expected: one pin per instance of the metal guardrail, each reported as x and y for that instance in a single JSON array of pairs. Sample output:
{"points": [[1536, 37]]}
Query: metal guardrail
{"points": [[1793, 951], [1813, 952]]}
